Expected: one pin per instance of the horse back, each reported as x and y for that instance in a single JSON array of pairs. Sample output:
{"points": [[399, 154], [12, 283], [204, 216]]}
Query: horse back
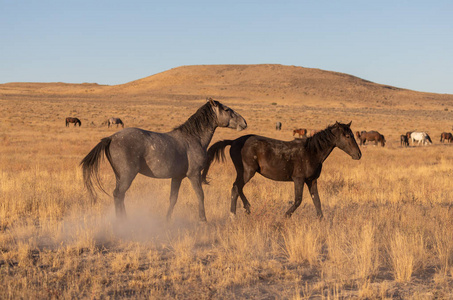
{"points": [[150, 153], [275, 159]]}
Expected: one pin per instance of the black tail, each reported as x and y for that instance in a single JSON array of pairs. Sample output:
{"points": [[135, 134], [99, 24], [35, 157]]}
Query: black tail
{"points": [[90, 166], [217, 152]]}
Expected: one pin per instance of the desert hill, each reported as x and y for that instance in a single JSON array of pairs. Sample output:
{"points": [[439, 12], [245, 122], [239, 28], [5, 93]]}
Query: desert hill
{"points": [[252, 83]]}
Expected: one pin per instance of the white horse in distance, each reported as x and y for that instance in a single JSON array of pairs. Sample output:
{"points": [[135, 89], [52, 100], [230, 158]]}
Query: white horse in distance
{"points": [[421, 137]]}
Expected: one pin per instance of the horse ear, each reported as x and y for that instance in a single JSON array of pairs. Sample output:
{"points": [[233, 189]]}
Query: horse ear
{"points": [[349, 124], [211, 101]]}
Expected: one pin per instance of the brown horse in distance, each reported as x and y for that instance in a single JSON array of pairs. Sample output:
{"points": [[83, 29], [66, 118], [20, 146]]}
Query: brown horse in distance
{"points": [[300, 131], [299, 161], [446, 136], [371, 136], [404, 140], [73, 120]]}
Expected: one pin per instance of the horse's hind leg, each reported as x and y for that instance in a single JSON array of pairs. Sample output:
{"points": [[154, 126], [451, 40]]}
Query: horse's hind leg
{"points": [[196, 185], [122, 185], [175, 185], [234, 197], [313, 188], [238, 189], [298, 191]]}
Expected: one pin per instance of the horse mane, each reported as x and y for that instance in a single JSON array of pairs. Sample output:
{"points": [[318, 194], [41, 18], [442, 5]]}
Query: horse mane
{"points": [[321, 140], [199, 120]]}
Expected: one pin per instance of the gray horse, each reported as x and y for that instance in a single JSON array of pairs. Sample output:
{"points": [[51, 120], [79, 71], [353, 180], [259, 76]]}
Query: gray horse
{"points": [[116, 121], [177, 154]]}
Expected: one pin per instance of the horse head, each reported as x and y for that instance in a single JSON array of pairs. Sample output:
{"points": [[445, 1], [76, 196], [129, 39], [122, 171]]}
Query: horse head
{"points": [[345, 140], [226, 117]]}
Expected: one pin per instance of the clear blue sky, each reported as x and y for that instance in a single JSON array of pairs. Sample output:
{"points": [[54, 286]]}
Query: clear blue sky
{"points": [[408, 44]]}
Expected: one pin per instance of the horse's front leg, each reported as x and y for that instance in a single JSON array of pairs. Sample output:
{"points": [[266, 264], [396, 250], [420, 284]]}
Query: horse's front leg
{"points": [[313, 188], [298, 191], [196, 185], [175, 185]]}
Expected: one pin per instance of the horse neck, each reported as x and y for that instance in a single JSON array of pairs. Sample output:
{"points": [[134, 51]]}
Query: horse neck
{"points": [[200, 127], [203, 137], [206, 136], [321, 144]]}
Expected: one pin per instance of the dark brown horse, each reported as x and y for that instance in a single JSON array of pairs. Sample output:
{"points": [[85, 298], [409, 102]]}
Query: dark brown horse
{"points": [[404, 140], [370, 136], [299, 161], [73, 120], [300, 131], [177, 154], [446, 136]]}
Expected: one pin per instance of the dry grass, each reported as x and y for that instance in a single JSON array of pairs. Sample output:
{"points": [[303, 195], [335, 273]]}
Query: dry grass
{"points": [[387, 232]]}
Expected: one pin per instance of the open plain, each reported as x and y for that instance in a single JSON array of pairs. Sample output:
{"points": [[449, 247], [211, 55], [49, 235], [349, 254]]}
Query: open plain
{"points": [[387, 231]]}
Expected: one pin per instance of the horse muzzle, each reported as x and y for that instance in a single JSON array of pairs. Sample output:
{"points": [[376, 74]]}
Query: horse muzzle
{"points": [[240, 128], [241, 125], [357, 156]]}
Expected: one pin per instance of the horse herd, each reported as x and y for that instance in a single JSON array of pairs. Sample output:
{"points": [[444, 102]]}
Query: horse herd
{"points": [[183, 152], [363, 137], [110, 122]]}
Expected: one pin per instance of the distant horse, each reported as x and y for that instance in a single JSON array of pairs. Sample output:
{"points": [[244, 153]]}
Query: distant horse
{"points": [[299, 160], [300, 131], [116, 121], [371, 136], [421, 137], [408, 134], [358, 136], [446, 136], [176, 154], [73, 120], [278, 126], [404, 140]]}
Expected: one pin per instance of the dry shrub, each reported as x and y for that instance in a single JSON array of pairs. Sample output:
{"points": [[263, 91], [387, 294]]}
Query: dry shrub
{"points": [[353, 253], [127, 260], [302, 243], [407, 253], [182, 247], [366, 259], [443, 246]]}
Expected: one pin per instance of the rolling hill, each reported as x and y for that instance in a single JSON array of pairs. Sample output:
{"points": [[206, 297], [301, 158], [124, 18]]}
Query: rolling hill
{"points": [[252, 83]]}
